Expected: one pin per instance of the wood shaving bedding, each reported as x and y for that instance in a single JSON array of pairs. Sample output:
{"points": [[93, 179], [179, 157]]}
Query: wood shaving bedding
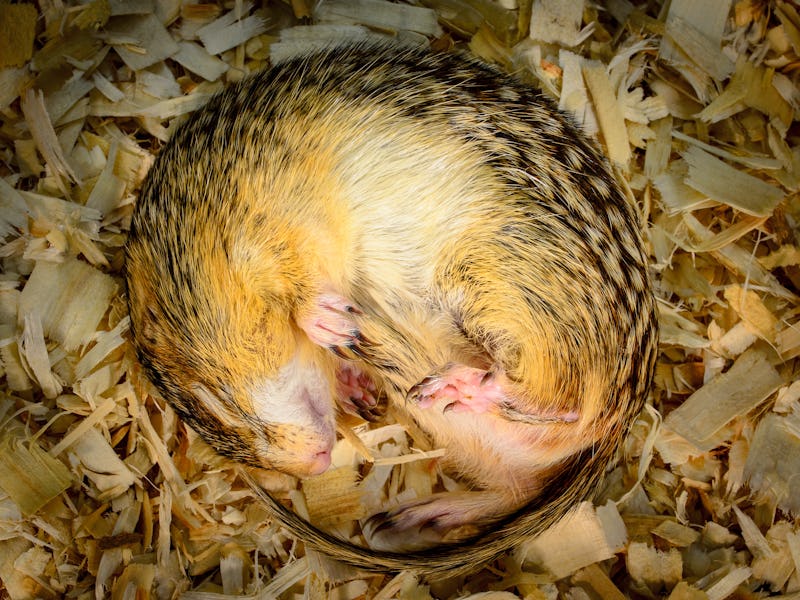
{"points": [[105, 493]]}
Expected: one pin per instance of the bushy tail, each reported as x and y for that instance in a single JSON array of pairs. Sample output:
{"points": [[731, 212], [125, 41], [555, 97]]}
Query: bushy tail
{"points": [[575, 483]]}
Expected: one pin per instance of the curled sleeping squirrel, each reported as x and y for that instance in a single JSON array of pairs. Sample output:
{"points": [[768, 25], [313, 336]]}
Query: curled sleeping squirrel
{"points": [[413, 222]]}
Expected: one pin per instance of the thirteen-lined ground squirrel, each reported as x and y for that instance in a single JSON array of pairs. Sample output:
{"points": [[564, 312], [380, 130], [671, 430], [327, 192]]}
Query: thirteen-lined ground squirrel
{"points": [[414, 219]]}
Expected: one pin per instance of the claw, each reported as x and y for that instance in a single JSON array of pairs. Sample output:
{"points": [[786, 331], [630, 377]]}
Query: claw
{"points": [[337, 351], [358, 394], [363, 340], [450, 517], [383, 520], [466, 389], [329, 321], [372, 413]]}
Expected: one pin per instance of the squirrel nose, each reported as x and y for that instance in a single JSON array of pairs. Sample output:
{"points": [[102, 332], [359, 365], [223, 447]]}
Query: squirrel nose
{"points": [[320, 462]]}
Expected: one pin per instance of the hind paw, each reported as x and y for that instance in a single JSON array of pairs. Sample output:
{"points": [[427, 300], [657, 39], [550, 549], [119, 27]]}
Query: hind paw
{"points": [[460, 389], [420, 524], [463, 389]]}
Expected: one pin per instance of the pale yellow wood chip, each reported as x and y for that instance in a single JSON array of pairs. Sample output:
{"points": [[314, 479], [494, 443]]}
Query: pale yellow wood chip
{"points": [[17, 32], [774, 461], [676, 534], [16, 583], [599, 581], [608, 111], [70, 299], [726, 586], [230, 30], [198, 60], [101, 465], [751, 309], [574, 97], [304, 39], [60, 104], [659, 148], [743, 387], [652, 567], [785, 256], [556, 21], [15, 373], [791, 24], [287, 576], [173, 107], [787, 341], [729, 235], [136, 580], [34, 349], [380, 14], [333, 497], [95, 14], [750, 86], [748, 159], [29, 475], [678, 197], [684, 591], [408, 458], [729, 185], [708, 18], [147, 40], [739, 260], [106, 195], [698, 47], [96, 416], [585, 536], [107, 342], [41, 128], [233, 565], [793, 543]]}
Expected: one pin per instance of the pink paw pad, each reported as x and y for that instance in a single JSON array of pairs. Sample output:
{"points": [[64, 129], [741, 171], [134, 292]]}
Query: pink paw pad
{"points": [[465, 389], [358, 394]]}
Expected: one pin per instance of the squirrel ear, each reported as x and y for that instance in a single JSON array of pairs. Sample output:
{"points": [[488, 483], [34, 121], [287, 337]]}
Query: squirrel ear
{"points": [[217, 407]]}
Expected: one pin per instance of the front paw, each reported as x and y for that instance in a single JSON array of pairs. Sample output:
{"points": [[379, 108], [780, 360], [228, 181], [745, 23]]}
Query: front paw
{"points": [[331, 323], [358, 394]]}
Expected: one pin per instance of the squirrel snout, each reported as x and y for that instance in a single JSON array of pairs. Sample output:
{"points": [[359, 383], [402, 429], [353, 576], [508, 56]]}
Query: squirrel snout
{"points": [[320, 462], [298, 412], [300, 452]]}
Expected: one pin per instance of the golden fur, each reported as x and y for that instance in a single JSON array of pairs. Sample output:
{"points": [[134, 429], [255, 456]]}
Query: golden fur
{"points": [[466, 221]]}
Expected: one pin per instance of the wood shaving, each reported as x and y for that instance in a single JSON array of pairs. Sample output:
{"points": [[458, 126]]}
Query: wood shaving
{"points": [[105, 493], [17, 31]]}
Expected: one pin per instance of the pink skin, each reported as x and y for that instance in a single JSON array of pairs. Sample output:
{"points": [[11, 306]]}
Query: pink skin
{"points": [[330, 323], [320, 463], [463, 389], [356, 390], [457, 388], [466, 389]]}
